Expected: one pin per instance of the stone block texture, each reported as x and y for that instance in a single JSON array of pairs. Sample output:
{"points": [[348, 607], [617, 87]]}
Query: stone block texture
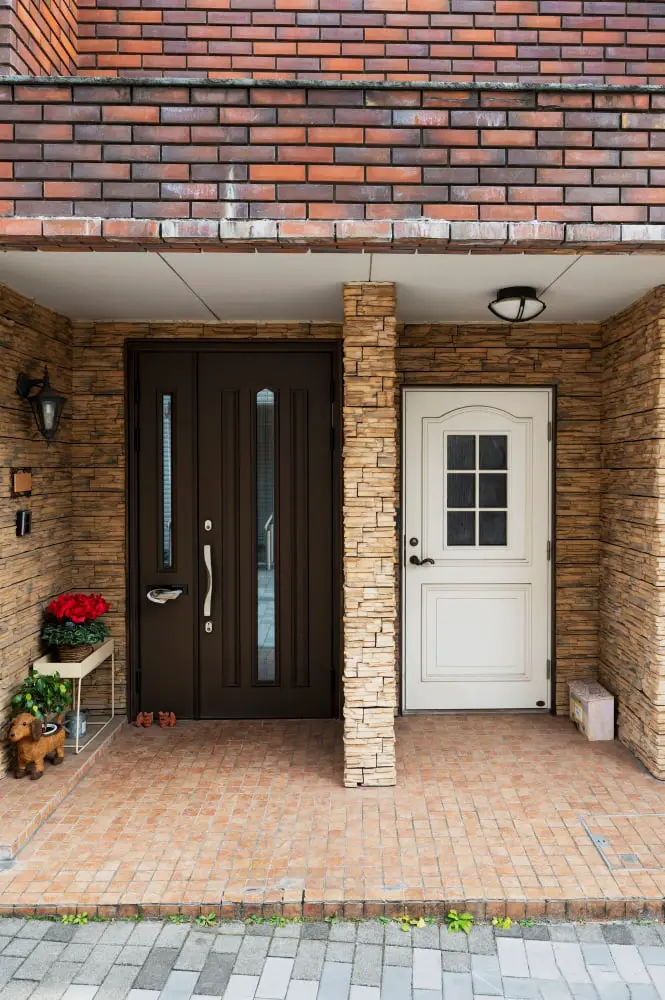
{"points": [[632, 608], [37, 567], [568, 357], [369, 507]]}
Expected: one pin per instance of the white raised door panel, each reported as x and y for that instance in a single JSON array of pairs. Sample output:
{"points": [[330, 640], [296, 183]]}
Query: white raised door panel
{"points": [[477, 514]]}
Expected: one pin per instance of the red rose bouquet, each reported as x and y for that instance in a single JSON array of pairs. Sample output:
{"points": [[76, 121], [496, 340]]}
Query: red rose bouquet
{"points": [[73, 620]]}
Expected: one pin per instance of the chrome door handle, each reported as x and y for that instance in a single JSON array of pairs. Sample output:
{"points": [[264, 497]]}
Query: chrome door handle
{"points": [[207, 601], [161, 595], [415, 561]]}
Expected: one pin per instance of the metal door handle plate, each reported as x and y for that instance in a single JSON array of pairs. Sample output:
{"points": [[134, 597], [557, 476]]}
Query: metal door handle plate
{"points": [[161, 595], [207, 601]]}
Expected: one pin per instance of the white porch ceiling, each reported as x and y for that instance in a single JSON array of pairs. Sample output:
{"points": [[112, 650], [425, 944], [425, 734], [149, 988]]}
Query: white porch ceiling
{"points": [[293, 286]]}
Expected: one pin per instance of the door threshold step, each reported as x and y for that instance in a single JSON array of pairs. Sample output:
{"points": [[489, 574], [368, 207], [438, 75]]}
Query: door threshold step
{"points": [[251, 905]]}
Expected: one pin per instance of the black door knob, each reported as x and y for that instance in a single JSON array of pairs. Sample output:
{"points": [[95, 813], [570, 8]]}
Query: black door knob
{"points": [[415, 561]]}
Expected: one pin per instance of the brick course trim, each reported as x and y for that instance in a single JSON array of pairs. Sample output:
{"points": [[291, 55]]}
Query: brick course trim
{"points": [[431, 236], [129, 161]]}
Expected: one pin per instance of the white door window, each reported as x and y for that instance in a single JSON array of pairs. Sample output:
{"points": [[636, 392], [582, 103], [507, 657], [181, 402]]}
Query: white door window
{"points": [[476, 542]]}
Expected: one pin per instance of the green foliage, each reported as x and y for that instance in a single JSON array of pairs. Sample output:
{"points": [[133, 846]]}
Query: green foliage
{"points": [[505, 923], [383, 920], [71, 634], [332, 919], [255, 918], [43, 694], [406, 922], [206, 920], [177, 918], [75, 918], [526, 922], [459, 922]]}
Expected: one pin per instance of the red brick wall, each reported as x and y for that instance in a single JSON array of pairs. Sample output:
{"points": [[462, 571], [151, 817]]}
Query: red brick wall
{"points": [[38, 37], [558, 40], [258, 153]]}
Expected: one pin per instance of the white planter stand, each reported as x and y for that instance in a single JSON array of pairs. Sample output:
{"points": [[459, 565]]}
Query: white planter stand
{"points": [[76, 672]]}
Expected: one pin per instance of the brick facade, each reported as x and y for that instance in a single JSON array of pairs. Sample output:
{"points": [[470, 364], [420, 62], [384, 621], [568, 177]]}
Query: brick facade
{"points": [[554, 40], [39, 38], [212, 164]]}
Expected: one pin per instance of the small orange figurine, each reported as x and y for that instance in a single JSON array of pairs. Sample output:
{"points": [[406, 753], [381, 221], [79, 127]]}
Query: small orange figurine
{"points": [[144, 719], [166, 719]]}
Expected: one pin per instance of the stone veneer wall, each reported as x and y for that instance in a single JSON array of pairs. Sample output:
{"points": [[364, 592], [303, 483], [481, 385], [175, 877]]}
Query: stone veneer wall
{"points": [[37, 567], [633, 519], [370, 498], [98, 456], [568, 357]]}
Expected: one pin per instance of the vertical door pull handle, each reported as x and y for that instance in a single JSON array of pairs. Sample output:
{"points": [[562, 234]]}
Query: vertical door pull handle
{"points": [[207, 559]]}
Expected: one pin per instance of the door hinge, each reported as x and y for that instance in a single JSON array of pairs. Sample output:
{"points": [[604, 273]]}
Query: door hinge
{"points": [[549, 551], [549, 430], [549, 669]]}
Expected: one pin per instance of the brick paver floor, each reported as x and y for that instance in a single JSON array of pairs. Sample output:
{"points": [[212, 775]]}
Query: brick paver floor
{"points": [[224, 813], [156, 960]]}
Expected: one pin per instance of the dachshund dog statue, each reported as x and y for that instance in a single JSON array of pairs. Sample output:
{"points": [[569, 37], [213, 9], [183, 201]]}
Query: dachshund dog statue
{"points": [[32, 746]]}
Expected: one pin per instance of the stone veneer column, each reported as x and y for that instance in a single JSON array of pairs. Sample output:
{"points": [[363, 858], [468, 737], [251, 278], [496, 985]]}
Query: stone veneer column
{"points": [[632, 584], [370, 422]]}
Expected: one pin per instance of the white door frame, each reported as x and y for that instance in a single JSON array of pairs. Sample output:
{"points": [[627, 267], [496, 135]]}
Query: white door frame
{"points": [[551, 587]]}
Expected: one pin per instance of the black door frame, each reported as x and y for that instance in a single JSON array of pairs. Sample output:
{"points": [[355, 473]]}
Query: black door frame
{"points": [[132, 350]]}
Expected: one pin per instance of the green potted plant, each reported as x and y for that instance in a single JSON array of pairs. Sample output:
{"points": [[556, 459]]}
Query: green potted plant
{"points": [[73, 627], [45, 696]]}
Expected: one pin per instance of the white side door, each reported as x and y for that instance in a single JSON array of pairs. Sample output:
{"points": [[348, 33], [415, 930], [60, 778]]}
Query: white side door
{"points": [[477, 514]]}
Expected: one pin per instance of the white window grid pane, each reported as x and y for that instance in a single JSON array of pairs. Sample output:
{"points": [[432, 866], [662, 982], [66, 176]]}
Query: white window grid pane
{"points": [[475, 472]]}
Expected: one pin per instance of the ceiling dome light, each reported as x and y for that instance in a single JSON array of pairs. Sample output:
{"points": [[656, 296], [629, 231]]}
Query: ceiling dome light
{"points": [[517, 304]]}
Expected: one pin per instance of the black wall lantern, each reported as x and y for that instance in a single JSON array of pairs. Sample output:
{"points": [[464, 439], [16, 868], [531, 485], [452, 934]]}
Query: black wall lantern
{"points": [[517, 304], [47, 404]]}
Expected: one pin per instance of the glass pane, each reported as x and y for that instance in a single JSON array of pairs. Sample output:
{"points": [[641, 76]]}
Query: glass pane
{"points": [[265, 534], [461, 527], [461, 489], [461, 451], [492, 527], [493, 451], [492, 489], [167, 481]]}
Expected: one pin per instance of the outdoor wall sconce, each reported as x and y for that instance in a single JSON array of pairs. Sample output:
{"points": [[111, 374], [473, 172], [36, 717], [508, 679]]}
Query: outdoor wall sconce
{"points": [[517, 304], [47, 404]]}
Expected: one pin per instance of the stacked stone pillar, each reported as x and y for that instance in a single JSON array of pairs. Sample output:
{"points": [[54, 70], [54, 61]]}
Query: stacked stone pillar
{"points": [[632, 584], [370, 424]]}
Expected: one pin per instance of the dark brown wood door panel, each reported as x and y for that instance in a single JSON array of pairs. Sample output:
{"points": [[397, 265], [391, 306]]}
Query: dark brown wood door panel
{"points": [[253, 505]]}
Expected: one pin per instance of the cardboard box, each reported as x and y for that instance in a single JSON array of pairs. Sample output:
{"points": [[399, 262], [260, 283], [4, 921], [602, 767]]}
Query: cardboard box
{"points": [[592, 710]]}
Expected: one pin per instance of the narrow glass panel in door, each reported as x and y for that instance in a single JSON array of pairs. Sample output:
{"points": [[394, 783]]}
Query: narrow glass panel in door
{"points": [[265, 536]]}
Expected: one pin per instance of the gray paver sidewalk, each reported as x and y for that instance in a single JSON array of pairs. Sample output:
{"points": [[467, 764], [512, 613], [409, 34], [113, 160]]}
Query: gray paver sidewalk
{"points": [[159, 960]]}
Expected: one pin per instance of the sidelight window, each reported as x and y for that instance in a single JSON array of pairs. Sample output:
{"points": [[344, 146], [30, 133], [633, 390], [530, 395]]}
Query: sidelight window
{"points": [[265, 535], [167, 480]]}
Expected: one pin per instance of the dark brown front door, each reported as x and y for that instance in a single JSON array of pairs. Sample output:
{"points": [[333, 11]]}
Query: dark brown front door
{"points": [[234, 530]]}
